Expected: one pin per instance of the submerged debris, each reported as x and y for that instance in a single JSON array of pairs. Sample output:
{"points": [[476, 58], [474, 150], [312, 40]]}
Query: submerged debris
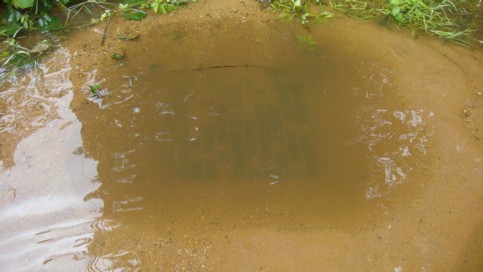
{"points": [[128, 37], [41, 47], [99, 94], [118, 55]]}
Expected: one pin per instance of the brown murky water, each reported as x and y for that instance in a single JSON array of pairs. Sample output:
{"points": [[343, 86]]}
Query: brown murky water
{"points": [[219, 146]]}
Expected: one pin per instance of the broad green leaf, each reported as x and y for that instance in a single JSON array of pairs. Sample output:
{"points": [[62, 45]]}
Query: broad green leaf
{"points": [[20, 59], [9, 29], [47, 22], [23, 4], [46, 5], [134, 15], [11, 15], [395, 10]]}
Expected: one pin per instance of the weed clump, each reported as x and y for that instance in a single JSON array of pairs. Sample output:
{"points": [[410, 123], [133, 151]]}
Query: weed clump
{"points": [[454, 20], [300, 10], [51, 16], [459, 21]]}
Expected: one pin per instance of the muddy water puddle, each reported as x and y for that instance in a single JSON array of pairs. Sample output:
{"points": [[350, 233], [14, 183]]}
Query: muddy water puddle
{"points": [[192, 139]]}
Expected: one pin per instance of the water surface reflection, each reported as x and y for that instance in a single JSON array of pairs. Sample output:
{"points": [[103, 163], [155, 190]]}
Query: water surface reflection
{"points": [[46, 222]]}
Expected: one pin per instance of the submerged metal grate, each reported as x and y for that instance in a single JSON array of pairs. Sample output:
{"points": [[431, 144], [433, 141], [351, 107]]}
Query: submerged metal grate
{"points": [[241, 134]]}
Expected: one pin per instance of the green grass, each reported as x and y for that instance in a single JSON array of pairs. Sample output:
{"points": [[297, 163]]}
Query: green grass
{"points": [[459, 21], [364, 10], [454, 20]]}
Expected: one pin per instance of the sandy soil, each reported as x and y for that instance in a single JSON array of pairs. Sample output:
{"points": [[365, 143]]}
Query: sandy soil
{"points": [[441, 230]]}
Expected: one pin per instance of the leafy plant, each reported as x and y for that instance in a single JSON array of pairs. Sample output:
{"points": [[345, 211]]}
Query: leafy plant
{"points": [[96, 92], [299, 9], [29, 15], [454, 20], [14, 56], [35, 15], [167, 6], [21, 4], [307, 39], [94, 88], [435, 18]]}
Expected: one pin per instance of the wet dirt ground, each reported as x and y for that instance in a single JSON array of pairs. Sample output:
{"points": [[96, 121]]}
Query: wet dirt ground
{"points": [[224, 143]]}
